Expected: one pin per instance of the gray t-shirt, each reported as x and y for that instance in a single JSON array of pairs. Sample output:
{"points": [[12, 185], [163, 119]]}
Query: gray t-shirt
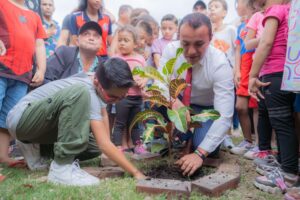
{"points": [[49, 90]]}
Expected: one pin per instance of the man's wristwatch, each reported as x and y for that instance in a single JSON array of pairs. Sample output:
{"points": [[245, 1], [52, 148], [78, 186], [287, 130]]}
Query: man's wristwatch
{"points": [[201, 155]]}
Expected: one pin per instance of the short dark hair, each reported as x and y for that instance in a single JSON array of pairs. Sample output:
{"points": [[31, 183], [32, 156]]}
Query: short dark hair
{"points": [[201, 4], [146, 26], [170, 17], [196, 20], [114, 72]]}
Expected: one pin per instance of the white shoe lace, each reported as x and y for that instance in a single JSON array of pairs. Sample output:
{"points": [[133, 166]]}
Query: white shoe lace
{"points": [[77, 170]]}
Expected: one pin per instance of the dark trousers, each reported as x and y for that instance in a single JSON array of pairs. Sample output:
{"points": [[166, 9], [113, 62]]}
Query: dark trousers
{"points": [[276, 112], [126, 110]]}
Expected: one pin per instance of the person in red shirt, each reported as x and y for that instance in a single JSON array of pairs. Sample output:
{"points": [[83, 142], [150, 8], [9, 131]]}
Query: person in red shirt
{"points": [[17, 48]]}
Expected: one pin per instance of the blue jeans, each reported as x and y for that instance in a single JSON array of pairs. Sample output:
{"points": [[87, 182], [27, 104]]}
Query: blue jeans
{"points": [[11, 91], [200, 133]]}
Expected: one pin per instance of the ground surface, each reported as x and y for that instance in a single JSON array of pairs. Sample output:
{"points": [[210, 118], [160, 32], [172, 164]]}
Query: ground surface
{"points": [[23, 184]]}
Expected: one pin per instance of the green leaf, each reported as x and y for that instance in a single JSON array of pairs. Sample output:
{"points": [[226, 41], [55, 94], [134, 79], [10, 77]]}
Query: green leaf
{"points": [[170, 65], [157, 147], [206, 115], [147, 114], [178, 117], [179, 52], [154, 88], [138, 71], [152, 73], [184, 66], [148, 72], [149, 133], [176, 86], [165, 70]]}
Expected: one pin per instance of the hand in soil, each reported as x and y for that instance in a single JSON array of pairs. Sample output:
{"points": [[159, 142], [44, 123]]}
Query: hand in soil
{"points": [[189, 163], [140, 176]]}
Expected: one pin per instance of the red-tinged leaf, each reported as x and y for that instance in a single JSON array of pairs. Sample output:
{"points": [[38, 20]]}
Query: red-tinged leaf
{"points": [[176, 86]]}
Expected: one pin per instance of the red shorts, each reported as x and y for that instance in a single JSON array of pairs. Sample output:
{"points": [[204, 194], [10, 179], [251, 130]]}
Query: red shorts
{"points": [[246, 63], [252, 103]]}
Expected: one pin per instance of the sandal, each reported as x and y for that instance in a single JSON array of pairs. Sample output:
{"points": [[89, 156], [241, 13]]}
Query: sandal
{"points": [[293, 194], [17, 164]]}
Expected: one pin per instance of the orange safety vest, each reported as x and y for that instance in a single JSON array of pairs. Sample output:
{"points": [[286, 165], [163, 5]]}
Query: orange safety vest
{"points": [[104, 23]]}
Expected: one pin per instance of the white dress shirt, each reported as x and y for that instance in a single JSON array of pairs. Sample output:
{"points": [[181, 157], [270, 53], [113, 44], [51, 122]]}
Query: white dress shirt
{"points": [[212, 85]]}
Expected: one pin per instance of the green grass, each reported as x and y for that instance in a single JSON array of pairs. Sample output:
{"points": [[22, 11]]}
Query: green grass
{"points": [[24, 184]]}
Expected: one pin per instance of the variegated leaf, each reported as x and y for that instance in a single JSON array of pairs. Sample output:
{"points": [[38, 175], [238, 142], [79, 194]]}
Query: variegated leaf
{"points": [[149, 133], [176, 86], [206, 115], [178, 117], [152, 73], [147, 114], [159, 99]]}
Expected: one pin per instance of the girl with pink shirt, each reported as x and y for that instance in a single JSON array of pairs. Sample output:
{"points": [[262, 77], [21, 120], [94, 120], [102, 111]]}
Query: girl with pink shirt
{"points": [[275, 106], [132, 104]]}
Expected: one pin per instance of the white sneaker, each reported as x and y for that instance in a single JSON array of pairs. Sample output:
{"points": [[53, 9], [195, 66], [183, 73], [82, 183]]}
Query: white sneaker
{"points": [[32, 156], [242, 148], [251, 154], [70, 174], [227, 143]]}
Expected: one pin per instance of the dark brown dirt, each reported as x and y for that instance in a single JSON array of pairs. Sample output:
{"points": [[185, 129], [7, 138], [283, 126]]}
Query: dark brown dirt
{"points": [[168, 171]]}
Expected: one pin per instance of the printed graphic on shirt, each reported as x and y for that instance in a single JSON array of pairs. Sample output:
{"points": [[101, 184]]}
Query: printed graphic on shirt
{"points": [[291, 76], [221, 45]]}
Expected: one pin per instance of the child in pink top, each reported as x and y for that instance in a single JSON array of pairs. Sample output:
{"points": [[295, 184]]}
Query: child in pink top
{"points": [[127, 108], [275, 106]]}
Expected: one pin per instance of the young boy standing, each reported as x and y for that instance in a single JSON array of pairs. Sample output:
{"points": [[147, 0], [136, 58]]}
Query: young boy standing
{"points": [[19, 45], [169, 25], [224, 37]]}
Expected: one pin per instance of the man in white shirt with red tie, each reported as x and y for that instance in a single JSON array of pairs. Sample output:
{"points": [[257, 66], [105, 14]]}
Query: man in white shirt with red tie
{"points": [[211, 86]]}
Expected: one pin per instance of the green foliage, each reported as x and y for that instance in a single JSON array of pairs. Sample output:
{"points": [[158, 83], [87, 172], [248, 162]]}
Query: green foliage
{"points": [[157, 147], [147, 114], [148, 72], [183, 67], [178, 117], [149, 133], [176, 86], [206, 115], [154, 88], [179, 52], [169, 68]]}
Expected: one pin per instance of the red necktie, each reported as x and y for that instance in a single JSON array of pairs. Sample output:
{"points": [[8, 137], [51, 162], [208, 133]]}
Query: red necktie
{"points": [[186, 100]]}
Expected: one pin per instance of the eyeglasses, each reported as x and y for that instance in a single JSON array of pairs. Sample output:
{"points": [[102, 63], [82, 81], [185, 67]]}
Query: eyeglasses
{"points": [[109, 98]]}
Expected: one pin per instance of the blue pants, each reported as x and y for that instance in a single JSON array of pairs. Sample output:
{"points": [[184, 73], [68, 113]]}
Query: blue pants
{"points": [[200, 133], [11, 91]]}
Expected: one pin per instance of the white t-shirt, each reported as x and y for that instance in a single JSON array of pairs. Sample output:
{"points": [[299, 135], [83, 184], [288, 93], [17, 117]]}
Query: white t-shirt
{"points": [[224, 40], [212, 85]]}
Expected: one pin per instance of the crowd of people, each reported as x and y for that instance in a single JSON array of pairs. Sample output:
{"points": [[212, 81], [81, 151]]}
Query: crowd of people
{"points": [[72, 86]]}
